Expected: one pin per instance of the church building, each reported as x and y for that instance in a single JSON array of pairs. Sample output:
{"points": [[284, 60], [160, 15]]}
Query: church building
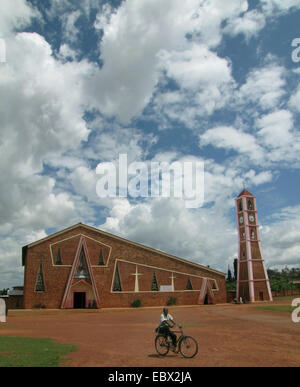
{"points": [[84, 267]]}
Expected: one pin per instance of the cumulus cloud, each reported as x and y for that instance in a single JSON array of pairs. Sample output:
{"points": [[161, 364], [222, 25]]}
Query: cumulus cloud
{"points": [[294, 101], [167, 225], [204, 80], [275, 129], [249, 24], [15, 14], [134, 53], [264, 86], [36, 117], [230, 138], [273, 7], [281, 238], [41, 116]]}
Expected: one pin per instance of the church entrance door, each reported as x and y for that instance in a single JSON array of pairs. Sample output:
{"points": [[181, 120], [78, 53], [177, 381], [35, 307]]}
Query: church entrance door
{"points": [[79, 300]]}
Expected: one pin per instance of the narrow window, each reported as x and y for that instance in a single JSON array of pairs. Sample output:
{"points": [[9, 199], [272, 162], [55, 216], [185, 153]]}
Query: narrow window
{"points": [[154, 286], [189, 285], [117, 281], [101, 260], [82, 271], [240, 206], [40, 284], [58, 258]]}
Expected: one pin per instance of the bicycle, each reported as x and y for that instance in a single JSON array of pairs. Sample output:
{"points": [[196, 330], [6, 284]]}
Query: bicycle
{"points": [[186, 345]]}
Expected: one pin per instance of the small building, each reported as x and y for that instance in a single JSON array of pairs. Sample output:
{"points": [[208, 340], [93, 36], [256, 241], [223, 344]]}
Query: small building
{"points": [[14, 298], [84, 267]]}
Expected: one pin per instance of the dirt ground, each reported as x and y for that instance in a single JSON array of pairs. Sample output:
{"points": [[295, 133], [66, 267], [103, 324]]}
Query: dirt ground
{"points": [[228, 335]]}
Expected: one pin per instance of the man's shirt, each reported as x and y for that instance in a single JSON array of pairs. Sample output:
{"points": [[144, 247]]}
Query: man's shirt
{"points": [[165, 318]]}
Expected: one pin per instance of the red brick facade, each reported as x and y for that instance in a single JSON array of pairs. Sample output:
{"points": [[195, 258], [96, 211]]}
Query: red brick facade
{"points": [[53, 277]]}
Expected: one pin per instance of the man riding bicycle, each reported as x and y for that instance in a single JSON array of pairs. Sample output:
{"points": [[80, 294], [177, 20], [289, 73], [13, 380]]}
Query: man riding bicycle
{"points": [[165, 323]]}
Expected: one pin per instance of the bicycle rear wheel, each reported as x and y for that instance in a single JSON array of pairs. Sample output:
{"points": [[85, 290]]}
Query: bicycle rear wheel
{"points": [[188, 346], [162, 345]]}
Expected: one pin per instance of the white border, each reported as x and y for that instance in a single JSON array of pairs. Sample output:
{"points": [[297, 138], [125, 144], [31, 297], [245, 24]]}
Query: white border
{"points": [[85, 236], [157, 268]]}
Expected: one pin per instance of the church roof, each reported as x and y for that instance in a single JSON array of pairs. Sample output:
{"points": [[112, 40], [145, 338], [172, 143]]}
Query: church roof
{"points": [[24, 249], [245, 193]]}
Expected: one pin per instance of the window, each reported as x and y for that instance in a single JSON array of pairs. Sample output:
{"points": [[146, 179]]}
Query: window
{"points": [[189, 285], [240, 206], [82, 271], [117, 281], [58, 258], [101, 260], [40, 284], [154, 286]]}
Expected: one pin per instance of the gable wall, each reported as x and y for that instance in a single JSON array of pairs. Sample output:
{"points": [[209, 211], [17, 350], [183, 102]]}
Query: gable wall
{"points": [[114, 250]]}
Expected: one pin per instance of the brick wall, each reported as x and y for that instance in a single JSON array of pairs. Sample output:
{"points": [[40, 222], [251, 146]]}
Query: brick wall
{"points": [[56, 276]]}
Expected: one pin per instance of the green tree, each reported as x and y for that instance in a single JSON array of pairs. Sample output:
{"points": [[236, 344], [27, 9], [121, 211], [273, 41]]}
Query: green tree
{"points": [[229, 276], [235, 266]]}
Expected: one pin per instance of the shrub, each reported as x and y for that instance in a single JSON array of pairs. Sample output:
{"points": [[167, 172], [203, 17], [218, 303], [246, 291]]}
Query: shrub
{"points": [[136, 303], [172, 301], [39, 306]]}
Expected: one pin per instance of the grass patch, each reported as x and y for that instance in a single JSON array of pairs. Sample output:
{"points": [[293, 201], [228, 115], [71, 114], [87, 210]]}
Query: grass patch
{"points": [[32, 352], [277, 308]]}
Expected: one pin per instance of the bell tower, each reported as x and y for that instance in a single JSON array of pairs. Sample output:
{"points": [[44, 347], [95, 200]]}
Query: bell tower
{"points": [[252, 279]]}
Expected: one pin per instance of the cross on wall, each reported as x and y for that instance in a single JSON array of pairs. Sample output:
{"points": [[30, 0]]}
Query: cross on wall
{"points": [[172, 281], [136, 283]]}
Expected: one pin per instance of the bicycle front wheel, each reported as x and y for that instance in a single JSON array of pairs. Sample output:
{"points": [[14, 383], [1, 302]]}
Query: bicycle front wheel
{"points": [[161, 345], [188, 346]]}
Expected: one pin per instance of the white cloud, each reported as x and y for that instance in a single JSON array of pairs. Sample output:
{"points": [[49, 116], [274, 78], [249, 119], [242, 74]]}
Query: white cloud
{"points": [[70, 31], [205, 235], [264, 86], [271, 7], [41, 116], [228, 137], [275, 129], [249, 24], [137, 33], [195, 67], [14, 14], [294, 101], [204, 80], [167, 225], [281, 238]]}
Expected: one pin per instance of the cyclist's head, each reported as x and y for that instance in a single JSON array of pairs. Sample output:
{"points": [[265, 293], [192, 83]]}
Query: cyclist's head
{"points": [[165, 311]]}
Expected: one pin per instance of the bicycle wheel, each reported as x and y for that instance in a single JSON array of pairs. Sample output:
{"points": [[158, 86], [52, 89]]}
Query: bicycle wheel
{"points": [[161, 345], [188, 346]]}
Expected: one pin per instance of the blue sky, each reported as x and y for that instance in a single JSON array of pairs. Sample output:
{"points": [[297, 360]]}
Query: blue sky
{"points": [[200, 80]]}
